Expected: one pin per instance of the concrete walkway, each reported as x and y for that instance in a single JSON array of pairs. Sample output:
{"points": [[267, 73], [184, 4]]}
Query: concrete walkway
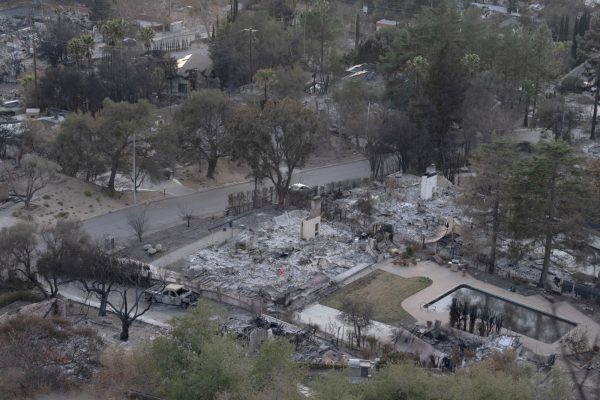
{"points": [[218, 236], [444, 280], [159, 267], [328, 320]]}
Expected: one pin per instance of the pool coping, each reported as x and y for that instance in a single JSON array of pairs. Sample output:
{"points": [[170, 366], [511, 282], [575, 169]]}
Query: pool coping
{"points": [[444, 280], [464, 285]]}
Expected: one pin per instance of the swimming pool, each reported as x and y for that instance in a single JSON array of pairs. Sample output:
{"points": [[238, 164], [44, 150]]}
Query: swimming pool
{"points": [[514, 317]]}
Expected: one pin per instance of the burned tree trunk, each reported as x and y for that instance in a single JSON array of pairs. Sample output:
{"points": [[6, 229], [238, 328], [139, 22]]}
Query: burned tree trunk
{"points": [[124, 336]]}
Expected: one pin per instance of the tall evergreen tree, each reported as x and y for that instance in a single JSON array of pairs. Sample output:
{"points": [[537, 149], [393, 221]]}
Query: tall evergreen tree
{"points": [[541, 66], [552, 201], [589, 49], [486, 198], [100, 10], [582, 24]]}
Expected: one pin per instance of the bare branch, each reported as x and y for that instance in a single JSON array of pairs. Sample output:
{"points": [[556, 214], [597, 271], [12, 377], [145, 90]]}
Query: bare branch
{"points": [[137, 221]]}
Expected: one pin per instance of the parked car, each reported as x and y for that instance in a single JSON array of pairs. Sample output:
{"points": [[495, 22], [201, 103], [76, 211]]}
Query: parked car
{"points": [[173, 294], [300, 187]]}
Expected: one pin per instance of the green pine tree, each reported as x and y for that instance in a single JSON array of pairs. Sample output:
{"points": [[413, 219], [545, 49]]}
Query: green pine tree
{"points": [[552, 201], [589, 50], [486, 198]]}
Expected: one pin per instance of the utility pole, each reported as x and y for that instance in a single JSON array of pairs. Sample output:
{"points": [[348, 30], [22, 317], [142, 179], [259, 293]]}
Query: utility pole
{"points": [[368, 113], [562, 119], [251, 31], [304, 35], [33, 44], [134, 172]]}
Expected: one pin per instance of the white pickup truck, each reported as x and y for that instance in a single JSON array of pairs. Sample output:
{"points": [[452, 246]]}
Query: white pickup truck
{"points": [[177, 295]]}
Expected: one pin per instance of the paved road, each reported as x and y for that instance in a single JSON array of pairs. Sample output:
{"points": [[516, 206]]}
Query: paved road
{"points": [[165, 213]]}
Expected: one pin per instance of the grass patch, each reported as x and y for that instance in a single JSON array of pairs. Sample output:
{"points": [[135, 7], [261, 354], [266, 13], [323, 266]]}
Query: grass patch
{"points": [[87, 193], [386, 292], [62, 214]]}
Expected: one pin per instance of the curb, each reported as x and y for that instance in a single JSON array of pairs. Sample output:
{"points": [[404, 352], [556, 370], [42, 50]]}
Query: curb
{"points": [[209, 189]]}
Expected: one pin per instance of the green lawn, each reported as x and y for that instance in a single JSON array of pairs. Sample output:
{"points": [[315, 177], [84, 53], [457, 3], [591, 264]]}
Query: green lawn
{"points": [[386, 292]]}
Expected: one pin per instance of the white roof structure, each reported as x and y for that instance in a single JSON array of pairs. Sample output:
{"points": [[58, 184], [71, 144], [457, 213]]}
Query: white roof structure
{"points": [[386, 23]]}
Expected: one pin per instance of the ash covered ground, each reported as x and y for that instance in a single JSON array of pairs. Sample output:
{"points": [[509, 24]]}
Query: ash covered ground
{"points": [[271, 255], [399, 204]]}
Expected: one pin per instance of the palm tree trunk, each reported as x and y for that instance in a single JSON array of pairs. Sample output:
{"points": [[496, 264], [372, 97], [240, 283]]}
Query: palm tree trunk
{"points": [[526, 117]]}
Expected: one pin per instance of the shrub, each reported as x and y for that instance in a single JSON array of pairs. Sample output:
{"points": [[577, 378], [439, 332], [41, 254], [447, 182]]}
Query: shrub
{"points": [[571, 84], [365, 204], [11, 297], [87, 193], [44, 354], [578, 341]]}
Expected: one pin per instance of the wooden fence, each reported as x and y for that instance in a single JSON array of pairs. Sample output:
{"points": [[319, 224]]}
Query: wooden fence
{"points": [[241, 202]]}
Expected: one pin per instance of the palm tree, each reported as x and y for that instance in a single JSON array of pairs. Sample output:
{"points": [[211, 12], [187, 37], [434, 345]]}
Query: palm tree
{"points": [[114, 31], [147, 34], [264, 76], [418, 67], [76, 50], [88, 44]]}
